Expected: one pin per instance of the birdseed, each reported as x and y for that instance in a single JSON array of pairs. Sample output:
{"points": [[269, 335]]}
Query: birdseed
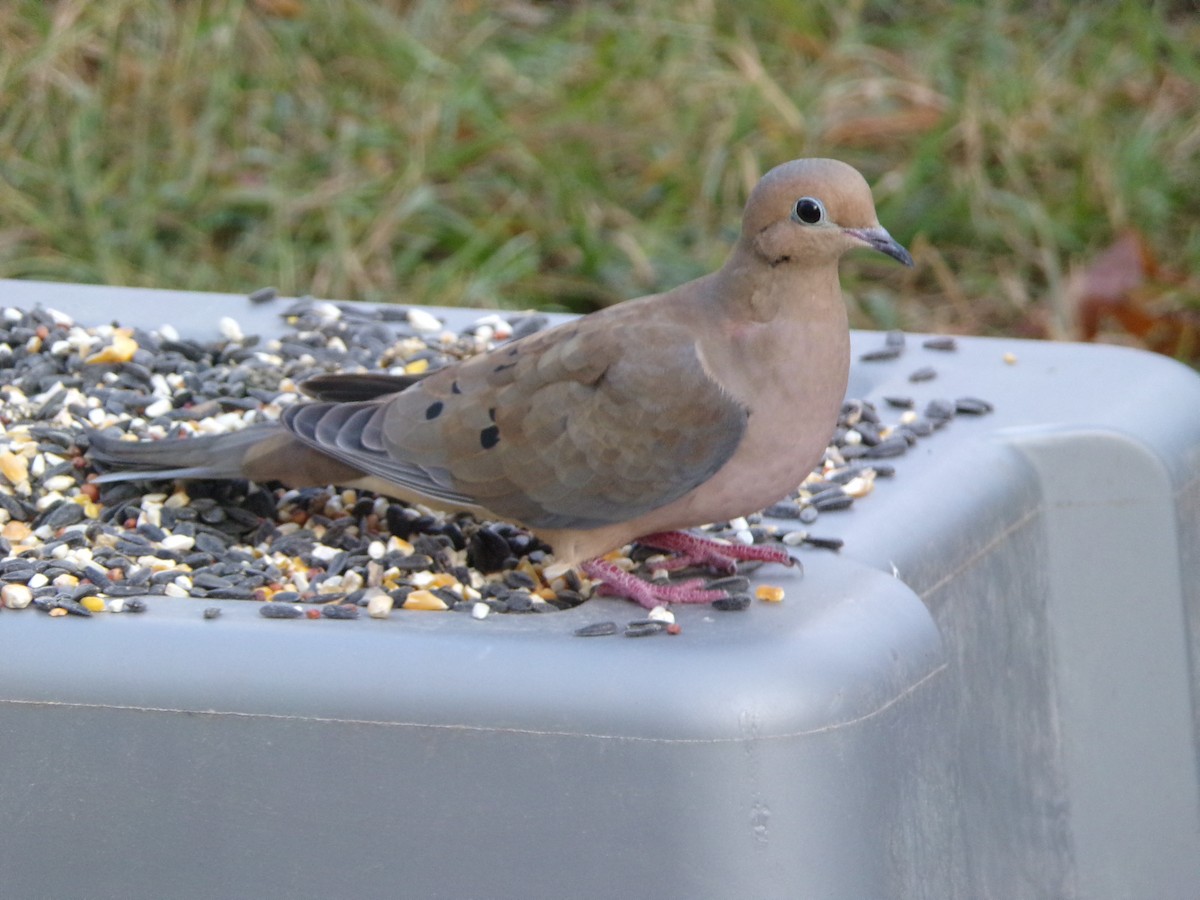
{"points": [[972, 406], [644, 628], [597, 629], [944, 343], [69, 546], [881, 355], [770, 593], [732, 603]]}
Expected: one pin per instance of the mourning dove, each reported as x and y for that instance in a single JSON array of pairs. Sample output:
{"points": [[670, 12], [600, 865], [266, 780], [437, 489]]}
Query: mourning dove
{"points": [[700, 404]]}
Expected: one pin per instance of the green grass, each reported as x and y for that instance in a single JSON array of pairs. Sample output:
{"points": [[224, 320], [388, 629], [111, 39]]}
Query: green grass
{"points": [[571, 154]]}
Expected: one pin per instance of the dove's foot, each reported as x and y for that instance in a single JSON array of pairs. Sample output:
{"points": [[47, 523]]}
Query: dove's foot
{"points": [[613, 579], [689, 550], [692, 550]]}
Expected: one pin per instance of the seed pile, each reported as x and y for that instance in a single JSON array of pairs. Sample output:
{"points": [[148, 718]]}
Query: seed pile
{"points": [[71, 547]]}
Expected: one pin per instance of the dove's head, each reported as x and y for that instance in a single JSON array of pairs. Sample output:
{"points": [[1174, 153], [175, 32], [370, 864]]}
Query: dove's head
{"points": [[811, 211]]}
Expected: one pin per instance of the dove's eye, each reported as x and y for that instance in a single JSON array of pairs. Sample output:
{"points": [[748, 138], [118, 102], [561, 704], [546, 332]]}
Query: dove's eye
{"points": [[809, 211]]}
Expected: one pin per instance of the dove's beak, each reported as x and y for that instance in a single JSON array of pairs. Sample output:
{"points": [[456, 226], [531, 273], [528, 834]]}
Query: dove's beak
{"points": [[877, 238]]}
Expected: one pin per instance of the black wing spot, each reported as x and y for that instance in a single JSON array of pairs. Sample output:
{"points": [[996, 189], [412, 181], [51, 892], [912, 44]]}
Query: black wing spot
{"points": [[489, 437], [434, 409], [455, 389], [492, 414], [503, 366]]}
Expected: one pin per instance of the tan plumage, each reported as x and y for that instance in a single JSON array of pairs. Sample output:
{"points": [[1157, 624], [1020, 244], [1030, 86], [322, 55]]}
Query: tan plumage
{"points": [[706, 402]]}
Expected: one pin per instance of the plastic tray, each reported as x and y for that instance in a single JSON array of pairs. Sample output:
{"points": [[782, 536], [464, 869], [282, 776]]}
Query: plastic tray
{"points": [[987, 693]]}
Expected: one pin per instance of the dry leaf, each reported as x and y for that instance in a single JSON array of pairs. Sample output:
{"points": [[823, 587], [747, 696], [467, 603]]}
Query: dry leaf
{"points": [[281, 9], [1126, 288]]}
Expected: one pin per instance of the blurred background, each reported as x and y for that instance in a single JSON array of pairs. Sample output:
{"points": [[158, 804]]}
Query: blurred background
{"points": [[1040, 159]]}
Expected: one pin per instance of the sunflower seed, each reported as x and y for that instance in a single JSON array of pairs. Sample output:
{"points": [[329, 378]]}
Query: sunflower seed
{"points": [[881, 355], [597, 629], [940, 343]]}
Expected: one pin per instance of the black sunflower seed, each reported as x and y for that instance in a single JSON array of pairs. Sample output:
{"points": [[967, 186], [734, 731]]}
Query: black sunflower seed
{"points": [[881, 355], [940, 343], [972, 406], [735, 603], [596, 629]]}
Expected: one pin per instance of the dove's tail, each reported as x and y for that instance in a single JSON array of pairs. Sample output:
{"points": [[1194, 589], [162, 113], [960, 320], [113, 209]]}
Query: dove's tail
{"points": [[215, 456], [267, 452]]}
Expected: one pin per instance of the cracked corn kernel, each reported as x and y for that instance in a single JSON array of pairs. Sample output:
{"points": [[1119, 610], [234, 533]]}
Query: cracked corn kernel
{"points": [[15, 468], [769, 592], [421, 599], [119, 351]]}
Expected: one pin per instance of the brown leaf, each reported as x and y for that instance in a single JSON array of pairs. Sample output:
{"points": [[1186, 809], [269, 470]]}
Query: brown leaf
{"points": [[281, 9], [1124, 287]]}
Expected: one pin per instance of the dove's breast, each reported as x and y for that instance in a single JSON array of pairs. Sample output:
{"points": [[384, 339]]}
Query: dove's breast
{"points": [[792, 377]]}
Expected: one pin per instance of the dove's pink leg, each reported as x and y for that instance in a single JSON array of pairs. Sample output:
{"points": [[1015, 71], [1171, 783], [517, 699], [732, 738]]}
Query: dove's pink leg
{"points": [[615, 580], [693, 550]]}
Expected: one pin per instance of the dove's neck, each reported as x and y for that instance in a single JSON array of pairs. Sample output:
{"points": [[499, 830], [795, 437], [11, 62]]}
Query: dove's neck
{"points": [[752, 291], [762, 322]]}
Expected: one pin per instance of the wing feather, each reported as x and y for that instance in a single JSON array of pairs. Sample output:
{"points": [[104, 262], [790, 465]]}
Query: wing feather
{"points": [[565, 429]]}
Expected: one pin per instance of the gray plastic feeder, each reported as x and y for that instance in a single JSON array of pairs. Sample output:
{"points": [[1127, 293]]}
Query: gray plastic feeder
{"points": [[991, 691]]}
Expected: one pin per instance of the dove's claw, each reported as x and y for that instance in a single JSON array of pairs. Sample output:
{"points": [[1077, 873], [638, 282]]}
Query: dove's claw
{"points": [[613, 579], [692, 550]]}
